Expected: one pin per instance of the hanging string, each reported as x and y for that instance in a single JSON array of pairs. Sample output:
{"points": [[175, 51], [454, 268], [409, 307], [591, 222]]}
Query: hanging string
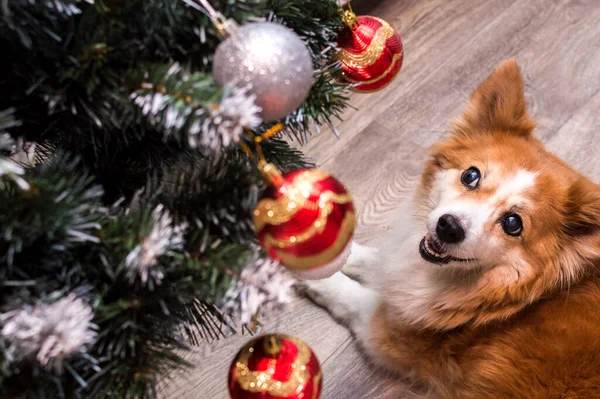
{"points": [[225, 26], [209, 8], [270, 173], [257, 139]]}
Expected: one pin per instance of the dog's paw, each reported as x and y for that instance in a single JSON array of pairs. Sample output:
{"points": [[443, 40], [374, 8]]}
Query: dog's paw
{"points": [[319, 291], [361, 260], [347, 300], [332, 294]]}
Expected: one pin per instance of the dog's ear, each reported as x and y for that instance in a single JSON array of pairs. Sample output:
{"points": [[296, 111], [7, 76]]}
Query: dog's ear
{"points": [[498, 104], [581, 215], [581, 229]]}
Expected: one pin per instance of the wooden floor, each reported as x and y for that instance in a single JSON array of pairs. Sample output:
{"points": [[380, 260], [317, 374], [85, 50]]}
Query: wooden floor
{"points": [[450, 46]]}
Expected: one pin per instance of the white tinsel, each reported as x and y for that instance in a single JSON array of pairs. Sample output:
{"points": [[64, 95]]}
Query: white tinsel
{"points": [[163, 237], [213, 127], [7, 143], [67, 7], [49, 332], [154, 103], [224, 123], [264, 286], [13, 171]]}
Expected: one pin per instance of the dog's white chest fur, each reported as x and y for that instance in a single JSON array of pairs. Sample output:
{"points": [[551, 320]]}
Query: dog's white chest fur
{"points": [[407, 283], [404, 281]]}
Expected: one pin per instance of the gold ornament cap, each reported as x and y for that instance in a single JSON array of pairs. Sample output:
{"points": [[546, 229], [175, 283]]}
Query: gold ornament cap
{"points": [[272, 346], [349, 18]]}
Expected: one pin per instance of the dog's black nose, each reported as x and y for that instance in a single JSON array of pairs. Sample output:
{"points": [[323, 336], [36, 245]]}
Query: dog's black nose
{"points": [[449, 230]]}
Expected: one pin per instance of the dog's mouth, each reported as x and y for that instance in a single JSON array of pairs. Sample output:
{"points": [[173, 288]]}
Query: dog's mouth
{"points": [[433, 251]]}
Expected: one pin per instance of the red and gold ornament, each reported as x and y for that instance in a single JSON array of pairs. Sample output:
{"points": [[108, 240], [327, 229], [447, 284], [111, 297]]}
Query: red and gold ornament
{"points": [[371, 52], [275, 366], [305, 220]]}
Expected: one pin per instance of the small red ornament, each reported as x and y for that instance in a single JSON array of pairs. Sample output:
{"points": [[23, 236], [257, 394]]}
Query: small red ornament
{"points": [[275, 366], [371, 52], [305, 221]]}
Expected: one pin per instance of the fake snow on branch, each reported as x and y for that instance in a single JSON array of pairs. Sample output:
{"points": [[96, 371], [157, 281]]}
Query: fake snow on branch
{"points": [[263, 286], [183, 104], [225, 122], [163, 237], [67, 7], [7, 143], [49, 332], [13, 171]]}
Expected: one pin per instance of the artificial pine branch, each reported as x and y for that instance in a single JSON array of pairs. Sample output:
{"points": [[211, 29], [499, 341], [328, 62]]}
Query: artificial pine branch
{"points": [[192, 108], [131, 266], [262, 287], [132, 210]]}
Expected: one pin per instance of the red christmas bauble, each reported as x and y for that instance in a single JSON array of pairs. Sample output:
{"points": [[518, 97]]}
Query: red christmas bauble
{"points": [[275, 366], [305, 221], [371, 52]]}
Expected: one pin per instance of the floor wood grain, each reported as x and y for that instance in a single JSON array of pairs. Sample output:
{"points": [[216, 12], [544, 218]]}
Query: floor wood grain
{"points": [[450, 46]]}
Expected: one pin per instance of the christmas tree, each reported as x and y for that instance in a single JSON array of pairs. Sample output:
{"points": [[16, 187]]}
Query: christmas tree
{"points": [[125, 198]]}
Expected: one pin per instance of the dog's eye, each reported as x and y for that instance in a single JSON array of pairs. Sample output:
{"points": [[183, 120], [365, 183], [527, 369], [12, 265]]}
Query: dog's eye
{"points": [[512, 224], [470, 178]]}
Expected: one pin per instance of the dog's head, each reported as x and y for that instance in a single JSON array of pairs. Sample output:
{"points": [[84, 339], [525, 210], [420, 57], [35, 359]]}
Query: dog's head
{"points": [[495, 198]]}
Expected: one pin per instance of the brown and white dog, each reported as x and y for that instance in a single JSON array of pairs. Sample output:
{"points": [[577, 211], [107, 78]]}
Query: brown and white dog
{"points": [[493, 289]]}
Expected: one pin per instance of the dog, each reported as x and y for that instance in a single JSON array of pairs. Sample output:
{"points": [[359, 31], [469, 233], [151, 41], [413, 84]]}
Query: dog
{"points": [[490, 285]]}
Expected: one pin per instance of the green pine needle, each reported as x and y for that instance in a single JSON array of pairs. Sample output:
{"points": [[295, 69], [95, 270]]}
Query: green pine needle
{"points": [[122, 209]]}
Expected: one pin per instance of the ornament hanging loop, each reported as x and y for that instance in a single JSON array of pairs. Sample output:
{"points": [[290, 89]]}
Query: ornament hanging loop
{"points": [[349, 17], [225, 26], [270, 172], [272, 346]]}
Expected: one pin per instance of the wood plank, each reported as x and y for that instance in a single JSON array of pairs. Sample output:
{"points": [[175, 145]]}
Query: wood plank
{"points": [[381, 168], [576, 141], [562, 63], [557, 44], [361, 380], [429, 105], [432, 32]]}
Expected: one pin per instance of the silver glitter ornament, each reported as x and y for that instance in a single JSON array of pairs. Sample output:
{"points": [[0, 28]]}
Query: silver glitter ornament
{"points": [[273, 60]]}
